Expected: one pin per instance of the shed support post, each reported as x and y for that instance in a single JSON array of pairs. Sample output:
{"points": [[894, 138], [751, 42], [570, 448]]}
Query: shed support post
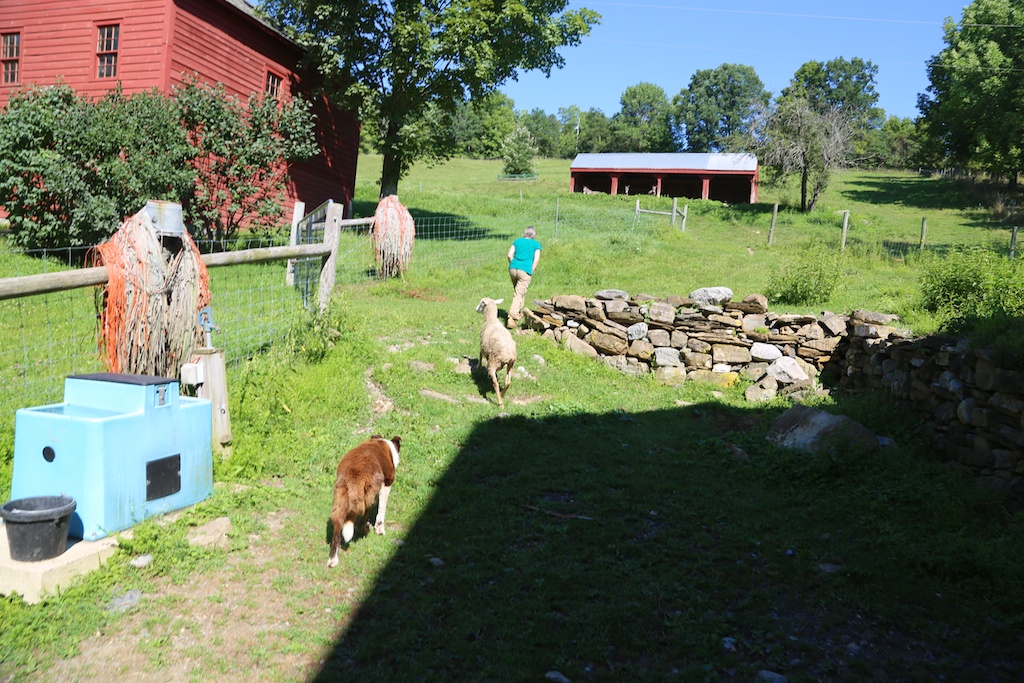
{"points": [[705, 187]]}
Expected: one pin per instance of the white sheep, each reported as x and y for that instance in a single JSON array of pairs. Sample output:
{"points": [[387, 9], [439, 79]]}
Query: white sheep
{"points": [[496, 345]]}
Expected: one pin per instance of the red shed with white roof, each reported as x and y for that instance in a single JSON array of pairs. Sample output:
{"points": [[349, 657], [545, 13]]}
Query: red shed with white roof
{"points": [[731, 178]]}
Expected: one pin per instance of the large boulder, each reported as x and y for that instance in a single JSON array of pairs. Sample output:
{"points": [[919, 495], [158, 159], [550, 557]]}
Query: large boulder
{"points": [[816, 431], [711, 296]]}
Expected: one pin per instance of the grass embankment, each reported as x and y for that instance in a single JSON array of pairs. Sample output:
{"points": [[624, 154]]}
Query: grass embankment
{"points": [[607, 527]]}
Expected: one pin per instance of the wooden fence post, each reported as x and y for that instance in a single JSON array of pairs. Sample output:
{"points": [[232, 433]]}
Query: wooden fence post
{"points": [[1013, 242], [771, 230], [215, 387], [332, 237], [686, 209], [675, 201], [846, 223], [297, 213], [924, 231], [555, 236]]}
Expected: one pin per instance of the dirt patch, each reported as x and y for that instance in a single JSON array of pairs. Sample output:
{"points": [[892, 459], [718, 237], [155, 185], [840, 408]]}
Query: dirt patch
{"points": [[232, 624]]}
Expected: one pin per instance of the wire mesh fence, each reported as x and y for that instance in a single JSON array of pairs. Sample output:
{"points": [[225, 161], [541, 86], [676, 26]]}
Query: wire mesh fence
{"points": [[47, 337]]}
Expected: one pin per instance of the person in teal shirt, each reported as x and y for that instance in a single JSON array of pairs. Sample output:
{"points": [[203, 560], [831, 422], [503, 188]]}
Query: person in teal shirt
{"points": [[523, 256]]}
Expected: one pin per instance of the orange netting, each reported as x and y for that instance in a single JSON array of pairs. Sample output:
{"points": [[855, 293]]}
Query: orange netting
{"points": [[393, 234], [149, 321]]}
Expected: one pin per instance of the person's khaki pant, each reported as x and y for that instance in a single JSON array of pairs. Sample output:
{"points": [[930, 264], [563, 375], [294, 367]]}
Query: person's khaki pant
{"points": [[520, 281]]}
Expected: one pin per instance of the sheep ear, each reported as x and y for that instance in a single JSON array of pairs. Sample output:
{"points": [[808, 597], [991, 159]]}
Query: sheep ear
{"points": [[498, 301]]}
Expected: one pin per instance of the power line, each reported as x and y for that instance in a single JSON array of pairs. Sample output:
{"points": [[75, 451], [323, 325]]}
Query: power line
{"points": [[793, 15]]}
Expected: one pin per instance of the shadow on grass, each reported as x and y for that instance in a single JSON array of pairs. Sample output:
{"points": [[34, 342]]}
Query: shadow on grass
{"points": [[642, 547], [920, 192]]}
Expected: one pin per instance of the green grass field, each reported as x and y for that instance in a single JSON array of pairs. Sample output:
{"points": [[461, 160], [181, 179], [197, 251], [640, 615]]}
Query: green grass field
{"points": [[605, 527]]}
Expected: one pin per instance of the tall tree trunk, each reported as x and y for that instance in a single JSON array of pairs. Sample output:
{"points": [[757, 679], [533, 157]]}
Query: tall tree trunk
{"points": [[804, 172], [391, 172]]}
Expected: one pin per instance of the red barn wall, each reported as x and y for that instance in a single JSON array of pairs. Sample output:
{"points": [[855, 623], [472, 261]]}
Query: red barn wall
{"points": [[162, 42], [58, 42]]}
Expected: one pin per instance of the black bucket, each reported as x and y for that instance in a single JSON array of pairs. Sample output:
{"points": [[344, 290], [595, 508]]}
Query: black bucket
{"points": [[37, 527]]}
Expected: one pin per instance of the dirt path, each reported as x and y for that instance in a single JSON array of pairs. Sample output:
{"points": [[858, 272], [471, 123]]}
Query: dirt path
{"points": [[231, 624]]}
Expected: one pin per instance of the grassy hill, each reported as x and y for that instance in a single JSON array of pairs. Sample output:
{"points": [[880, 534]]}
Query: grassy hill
{"points": [[604, 527]]}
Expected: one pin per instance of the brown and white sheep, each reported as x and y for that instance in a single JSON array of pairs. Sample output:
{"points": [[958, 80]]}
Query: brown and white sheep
{"points": [[496, 345]]}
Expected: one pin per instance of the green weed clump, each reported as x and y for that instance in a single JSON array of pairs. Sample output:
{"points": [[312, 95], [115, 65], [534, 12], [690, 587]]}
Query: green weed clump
{"points": [[980, 294], [810, 277]]}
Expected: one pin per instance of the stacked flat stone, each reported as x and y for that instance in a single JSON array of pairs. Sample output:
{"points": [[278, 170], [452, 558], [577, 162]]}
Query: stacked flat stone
{"points": [[971, 401], [704, 336]]}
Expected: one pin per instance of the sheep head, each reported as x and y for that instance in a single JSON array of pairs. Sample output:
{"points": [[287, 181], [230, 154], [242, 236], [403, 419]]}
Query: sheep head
{"points": [[486, 303]]}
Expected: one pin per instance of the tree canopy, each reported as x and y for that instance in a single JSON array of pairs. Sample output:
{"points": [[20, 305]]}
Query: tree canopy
{"points": [[642, 124], [714, 113], [972, 107], [395, 59], [844, 85]]}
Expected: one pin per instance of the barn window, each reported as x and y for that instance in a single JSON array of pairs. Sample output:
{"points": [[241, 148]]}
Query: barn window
{"points": [[273, 88], [106, 50], [10, 54]]}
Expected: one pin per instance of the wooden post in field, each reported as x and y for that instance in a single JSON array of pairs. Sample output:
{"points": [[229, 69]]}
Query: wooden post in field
{"points": [[297, 213], [556, 218], [1013, 242], [637, 214], [214, 386], [846, 224], [332, 236], [675, 200], [771, 230], [686, 208], [924, 231]]}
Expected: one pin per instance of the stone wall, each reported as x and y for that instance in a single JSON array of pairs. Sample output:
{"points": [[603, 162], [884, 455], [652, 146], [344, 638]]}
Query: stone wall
{"points": [[972, 402]]}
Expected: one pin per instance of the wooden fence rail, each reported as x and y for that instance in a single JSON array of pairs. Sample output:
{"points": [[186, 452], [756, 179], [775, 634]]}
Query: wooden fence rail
{"points": [[45, 283]]}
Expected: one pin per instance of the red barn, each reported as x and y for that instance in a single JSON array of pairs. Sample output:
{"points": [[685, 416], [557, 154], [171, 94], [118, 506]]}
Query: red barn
{"points": [[92, 45], [731, 178]]}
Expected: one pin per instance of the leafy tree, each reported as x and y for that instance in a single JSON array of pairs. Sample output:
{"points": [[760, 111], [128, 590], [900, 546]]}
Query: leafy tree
{"points": [[482, 125], [714, 113], [240, 150], [545, 129], [570, 118], [583, 132], [642, 124], [895, 144], [971, 110], [596, 132], [518, 152], [71, 169], [846, 86], [394, 60], [794, 138]]}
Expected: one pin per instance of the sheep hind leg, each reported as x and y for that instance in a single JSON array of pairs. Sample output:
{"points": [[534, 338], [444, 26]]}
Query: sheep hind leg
{"points": [[494, 380], [508, 374]]}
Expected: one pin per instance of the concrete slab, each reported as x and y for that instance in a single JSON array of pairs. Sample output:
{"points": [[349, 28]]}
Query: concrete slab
{"points": [[34, 580]]}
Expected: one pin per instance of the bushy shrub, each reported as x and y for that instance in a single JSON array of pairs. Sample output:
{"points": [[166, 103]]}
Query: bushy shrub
{"points": [[72, 168], [518, 152], [809, 277], [972, 283], [979, 294]]}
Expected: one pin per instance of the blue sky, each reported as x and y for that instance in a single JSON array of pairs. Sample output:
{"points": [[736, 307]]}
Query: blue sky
{"points": [[665, 41]]}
